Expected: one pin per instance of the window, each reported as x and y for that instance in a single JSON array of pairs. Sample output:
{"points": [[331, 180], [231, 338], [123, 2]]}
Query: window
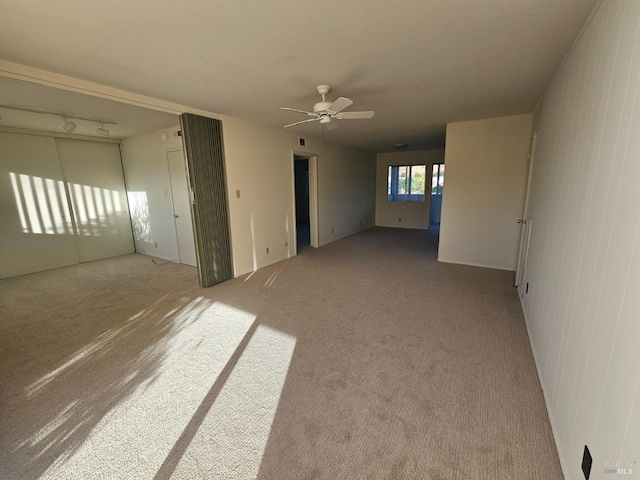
{"points": [[405, 183], [437, 179]]}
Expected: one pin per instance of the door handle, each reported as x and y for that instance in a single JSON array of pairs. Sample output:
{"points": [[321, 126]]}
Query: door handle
{"points": [[520, 220], [175, 216]]}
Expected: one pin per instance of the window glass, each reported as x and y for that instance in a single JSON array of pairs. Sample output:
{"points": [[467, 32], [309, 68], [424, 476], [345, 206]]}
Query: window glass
{"points": [[406, 183], [417, 179], [437, 178]]}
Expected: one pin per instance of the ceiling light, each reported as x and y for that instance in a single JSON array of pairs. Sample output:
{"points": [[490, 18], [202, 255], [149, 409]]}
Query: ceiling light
{"points": [[69, 126], [399, 146], [102, 131]]}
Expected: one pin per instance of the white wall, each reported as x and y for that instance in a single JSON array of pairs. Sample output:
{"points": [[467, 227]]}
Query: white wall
{"points": [[583, 304], [483, 191], [146, 170], [346, 191], [259, 164], [404, 214]]}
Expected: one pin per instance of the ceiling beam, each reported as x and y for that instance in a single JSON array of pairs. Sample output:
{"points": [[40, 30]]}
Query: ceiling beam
{"points": [[64, 82]]}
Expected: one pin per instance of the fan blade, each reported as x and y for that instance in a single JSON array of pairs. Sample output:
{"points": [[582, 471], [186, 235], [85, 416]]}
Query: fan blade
{"points": [[296, 110], [354, 115], [333, 125], [303, 121], [340, 104]]}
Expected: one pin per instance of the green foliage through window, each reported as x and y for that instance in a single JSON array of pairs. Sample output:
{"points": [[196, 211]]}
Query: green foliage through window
{"points": [[406, 183], [437, 179]]}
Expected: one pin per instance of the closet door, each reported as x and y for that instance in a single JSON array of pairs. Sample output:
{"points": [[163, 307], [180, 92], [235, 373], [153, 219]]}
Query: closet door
{"points": [[36, 232], [95, 182]]}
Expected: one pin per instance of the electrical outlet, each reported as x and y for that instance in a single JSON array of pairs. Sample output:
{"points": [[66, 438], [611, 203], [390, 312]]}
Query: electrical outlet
{"points": [[586, 462], [237, 193]]}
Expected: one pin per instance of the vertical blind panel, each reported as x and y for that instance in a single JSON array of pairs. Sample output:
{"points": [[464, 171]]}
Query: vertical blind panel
{"points": [[205, 157]]}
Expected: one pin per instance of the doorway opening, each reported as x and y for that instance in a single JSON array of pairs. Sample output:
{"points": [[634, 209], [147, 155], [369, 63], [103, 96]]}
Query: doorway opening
{"points": [[301, 190], [305, 201], [437, 184]]}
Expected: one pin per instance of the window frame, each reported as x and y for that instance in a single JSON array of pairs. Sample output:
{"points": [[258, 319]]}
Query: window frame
{"points": [[437, 179], [393, 175]]}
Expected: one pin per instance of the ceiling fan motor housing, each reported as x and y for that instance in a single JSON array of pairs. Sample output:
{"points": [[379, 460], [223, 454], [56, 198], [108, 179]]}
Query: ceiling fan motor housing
{"points": [[321, 107]]}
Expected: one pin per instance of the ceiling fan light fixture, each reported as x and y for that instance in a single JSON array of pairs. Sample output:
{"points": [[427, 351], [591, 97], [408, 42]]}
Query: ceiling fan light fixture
{"points": [[324, 120]]}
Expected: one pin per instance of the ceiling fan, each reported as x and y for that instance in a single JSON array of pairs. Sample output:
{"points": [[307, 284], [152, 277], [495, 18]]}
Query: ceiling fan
{"points": [[326, 112]]}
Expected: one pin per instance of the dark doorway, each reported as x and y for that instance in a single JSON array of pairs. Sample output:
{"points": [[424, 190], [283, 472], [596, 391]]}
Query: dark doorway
{"points": [[301, 185], [437, 185]]}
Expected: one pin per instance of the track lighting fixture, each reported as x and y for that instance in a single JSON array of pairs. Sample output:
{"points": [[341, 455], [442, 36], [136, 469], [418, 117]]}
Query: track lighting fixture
{"points": [[69, 126], [102, 131]]}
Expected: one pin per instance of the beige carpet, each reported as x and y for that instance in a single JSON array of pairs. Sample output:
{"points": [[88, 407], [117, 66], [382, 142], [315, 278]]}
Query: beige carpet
{"points": [[363, 359]]}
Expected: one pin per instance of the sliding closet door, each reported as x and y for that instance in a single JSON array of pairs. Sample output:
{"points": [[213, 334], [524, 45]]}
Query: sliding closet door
{"points": [[95, 182], [35, 224]]}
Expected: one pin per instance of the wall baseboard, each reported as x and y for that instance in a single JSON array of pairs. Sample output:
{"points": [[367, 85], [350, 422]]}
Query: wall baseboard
{"points": [[261, 266], [161, 257], [348, 234], [475, 264], [554, 429]]}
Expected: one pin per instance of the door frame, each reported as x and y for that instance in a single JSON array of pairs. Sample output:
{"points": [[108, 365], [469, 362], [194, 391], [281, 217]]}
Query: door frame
{"points": [[525, 220], [173, 208], [312, 158]]}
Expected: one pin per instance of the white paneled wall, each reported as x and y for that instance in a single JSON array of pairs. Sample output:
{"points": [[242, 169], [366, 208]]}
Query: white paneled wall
{"points": [[583, 301]]}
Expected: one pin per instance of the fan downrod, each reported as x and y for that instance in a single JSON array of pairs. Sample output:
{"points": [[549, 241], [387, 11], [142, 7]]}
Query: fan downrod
{"points": [[323, 90]]}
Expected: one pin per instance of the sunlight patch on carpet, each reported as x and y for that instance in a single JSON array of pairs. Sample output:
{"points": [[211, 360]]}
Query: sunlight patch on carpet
{"points": [[232, 438], [136, 436], [106, 341]]}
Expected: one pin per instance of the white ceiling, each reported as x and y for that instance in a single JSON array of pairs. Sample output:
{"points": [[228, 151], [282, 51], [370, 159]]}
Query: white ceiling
{"points": [[129, 120], [419, 63]]}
